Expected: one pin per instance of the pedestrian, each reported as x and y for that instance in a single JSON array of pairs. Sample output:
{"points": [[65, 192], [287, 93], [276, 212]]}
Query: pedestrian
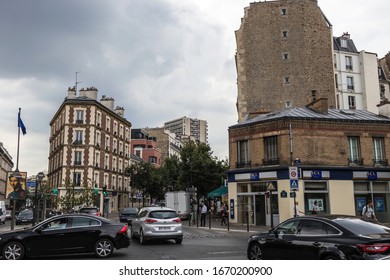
{"points": [[224, 215], [203, 213], [296, 210], [368, 212], [315, 208]]}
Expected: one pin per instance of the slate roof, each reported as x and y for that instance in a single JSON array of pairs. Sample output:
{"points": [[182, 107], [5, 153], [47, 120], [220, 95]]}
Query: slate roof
{"points": [[350, 45], [308, 114]]}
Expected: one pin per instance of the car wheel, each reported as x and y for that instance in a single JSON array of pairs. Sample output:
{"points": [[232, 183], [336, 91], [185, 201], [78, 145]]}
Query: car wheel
{"points": [[104, 248], [179, 240], [331, 257], [13, 251], [141, 237], [255, 252]]}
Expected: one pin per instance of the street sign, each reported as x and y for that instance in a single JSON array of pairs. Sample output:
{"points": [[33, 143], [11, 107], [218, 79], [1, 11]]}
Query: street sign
{"points": [[139, 195], [294, 185], [293, 172]]}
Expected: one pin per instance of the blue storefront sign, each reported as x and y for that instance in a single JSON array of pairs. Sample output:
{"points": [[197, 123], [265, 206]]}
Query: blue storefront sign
{"points": [[316, 174], [231, 210], [372, 175], [254, 176]]}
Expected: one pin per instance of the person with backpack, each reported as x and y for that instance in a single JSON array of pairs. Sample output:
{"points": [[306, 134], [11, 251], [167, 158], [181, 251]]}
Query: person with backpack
{"points": [[368, 212]]}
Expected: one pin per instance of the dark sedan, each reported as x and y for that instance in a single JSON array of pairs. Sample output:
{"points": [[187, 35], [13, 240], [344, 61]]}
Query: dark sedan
{"points": [[66, 234], [25, 217], [127, 215], [332, 237]]}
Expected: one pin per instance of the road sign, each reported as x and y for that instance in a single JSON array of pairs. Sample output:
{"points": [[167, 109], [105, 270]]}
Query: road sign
{"points": [[294, 185], [139, 195], [293, 172]]}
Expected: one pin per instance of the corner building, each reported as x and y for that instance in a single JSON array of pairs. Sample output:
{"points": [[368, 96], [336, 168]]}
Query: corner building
{"points": [[284, 52], [90, 143]]}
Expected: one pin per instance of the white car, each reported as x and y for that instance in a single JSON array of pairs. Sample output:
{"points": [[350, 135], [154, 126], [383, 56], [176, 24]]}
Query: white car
{"points": [[157, 223]]}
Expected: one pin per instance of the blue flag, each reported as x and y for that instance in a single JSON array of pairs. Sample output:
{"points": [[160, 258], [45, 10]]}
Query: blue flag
{"points": [[21, 124]]}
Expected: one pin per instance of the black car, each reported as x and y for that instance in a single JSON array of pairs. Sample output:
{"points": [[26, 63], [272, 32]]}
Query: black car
{"points": [[25, 217], [127, 215], [331, 237], [66, 234]]}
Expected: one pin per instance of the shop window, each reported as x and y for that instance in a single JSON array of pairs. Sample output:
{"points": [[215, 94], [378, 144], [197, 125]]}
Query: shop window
{"points": [[316, 192], [242, 188], [316, 186], [361, 187]]}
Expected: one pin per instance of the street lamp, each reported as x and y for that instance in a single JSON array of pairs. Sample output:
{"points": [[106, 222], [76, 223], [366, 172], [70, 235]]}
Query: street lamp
{"points": [[270, 188], [40, 176]]}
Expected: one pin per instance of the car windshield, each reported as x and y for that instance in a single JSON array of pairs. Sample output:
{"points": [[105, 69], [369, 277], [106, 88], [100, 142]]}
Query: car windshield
{"points": [[361, 227], [25, 214], [130, 211], [163, 214]]}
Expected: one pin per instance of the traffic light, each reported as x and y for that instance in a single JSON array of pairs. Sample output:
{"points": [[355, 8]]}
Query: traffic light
{"points": [[55, 191], [96, 190], [104, 191]]}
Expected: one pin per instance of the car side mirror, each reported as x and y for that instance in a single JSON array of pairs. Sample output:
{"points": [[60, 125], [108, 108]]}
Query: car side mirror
{"points": [[39, 230]]}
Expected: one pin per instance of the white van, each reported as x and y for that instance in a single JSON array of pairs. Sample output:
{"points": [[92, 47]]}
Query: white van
{"points": [[3, 211]]}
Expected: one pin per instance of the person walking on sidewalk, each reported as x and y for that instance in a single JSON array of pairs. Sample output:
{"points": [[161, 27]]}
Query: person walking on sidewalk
{"points": [[224, 215]]}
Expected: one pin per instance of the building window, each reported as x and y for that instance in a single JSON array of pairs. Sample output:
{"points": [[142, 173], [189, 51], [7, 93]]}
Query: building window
{"points": [[286, 80], [243, 153], [285, 56], [348, 62], [343, 42], [379, 151], [288, 104], [284, 34], [271, 154], [78, 137], [354, 150], [382, 91], [350, 83], [77, 179], [351, 102], [336, 81], [283, 11], [316, 192], [153, 159], [77, 157], [79, 116]]}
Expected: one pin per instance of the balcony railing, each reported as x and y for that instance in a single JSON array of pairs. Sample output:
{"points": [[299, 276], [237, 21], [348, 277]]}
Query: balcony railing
{"points": [[243, 164], [77, 162], [355, 161], [272, 161], [381, 162]]}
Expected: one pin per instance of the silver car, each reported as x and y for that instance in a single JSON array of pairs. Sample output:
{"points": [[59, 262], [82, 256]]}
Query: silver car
{"points": [[157, 223]]}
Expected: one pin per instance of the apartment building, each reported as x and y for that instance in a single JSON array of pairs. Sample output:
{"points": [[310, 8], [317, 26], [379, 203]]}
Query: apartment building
{"points": [[284, 52], [90, 143], [188, 129], [356, 76], [341, 158], [145, 146]]}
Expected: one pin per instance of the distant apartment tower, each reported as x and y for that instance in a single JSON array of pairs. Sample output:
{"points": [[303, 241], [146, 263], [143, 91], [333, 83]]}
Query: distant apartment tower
{"points": [[90, 145], [284, 52], [356, 76], [145, 146], [384, 77], [6, 165], [187, 128]]}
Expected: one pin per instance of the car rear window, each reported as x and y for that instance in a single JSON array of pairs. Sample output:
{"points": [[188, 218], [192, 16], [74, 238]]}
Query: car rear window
{"points": [[361, 227], [130, 211], [163, 214]]}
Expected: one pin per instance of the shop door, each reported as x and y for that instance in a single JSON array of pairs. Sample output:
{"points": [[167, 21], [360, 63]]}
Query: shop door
{"points": [[260, 210]]}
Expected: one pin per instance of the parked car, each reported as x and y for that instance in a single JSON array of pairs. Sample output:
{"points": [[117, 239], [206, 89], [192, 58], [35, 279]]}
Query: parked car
{"points": [[157, 223], [127, 215], [66, 234], [24, 217], [90, 210], [331, 237]]}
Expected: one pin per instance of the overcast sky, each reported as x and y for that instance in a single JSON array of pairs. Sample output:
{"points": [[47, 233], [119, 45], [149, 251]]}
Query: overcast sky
{"points": [[159, 59]]}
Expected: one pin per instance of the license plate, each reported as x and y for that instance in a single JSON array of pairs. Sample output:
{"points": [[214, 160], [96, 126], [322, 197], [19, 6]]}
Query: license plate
{"points": [[164, 228]]}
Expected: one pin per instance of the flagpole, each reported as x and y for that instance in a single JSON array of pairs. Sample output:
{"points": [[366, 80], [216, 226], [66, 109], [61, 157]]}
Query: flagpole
{"points": [[17, 152]]}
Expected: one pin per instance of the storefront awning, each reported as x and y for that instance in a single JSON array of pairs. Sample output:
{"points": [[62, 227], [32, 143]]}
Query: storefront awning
{"points": [[218, 192]]}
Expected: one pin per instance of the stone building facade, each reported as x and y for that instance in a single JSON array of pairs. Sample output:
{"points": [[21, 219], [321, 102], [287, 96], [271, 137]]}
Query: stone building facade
{"points": [[284, 52], [90, 143], [341, 157]]}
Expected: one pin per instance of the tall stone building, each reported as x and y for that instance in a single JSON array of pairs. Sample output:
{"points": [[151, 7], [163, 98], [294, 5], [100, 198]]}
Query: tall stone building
{"points": [[90, 147], [284, 52]]}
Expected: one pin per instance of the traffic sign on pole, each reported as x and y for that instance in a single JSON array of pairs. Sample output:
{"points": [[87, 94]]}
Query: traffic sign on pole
{"points": [[294, 185], [293, 172]]}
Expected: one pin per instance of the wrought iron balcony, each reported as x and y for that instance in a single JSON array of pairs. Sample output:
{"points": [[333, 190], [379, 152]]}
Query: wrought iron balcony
{"points": [[381, 162], [243, 164], [355, 161]]}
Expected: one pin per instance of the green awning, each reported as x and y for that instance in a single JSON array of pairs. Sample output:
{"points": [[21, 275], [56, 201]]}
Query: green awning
{"points": [[218, 192]]}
